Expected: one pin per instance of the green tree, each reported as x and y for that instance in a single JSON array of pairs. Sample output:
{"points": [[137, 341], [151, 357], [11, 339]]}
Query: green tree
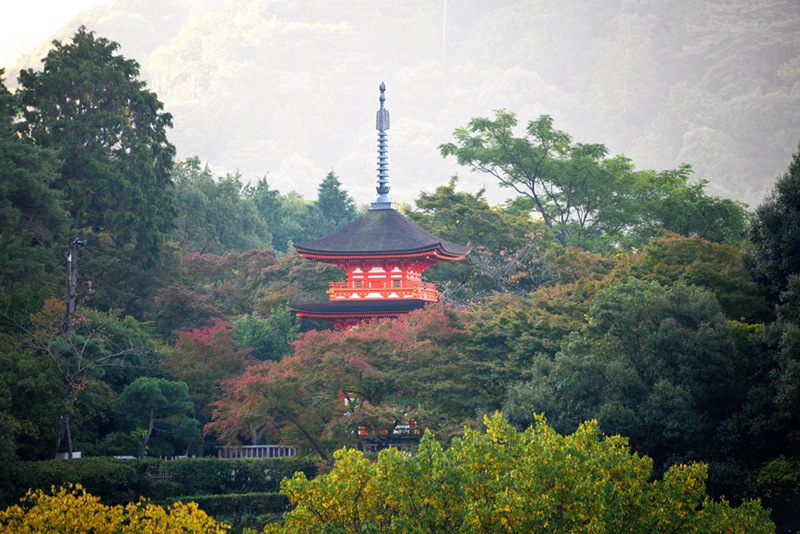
{"points": [[775, 232], [584, 197], [655, 363], [32, 215], [205, 287], [505, 245], [215, 216], [157, 405], [27, 402], [467, 218], [95, 354], [502, 480], [332, 209], [567, 183], [334, 202], [718, 267], [509, 332], [88, 106], [293, 279], [667, 200], [771, 415], [283, 215], [268, 338]]}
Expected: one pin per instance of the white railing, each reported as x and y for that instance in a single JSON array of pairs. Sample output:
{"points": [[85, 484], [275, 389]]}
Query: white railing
{"points": [[255, 451]]}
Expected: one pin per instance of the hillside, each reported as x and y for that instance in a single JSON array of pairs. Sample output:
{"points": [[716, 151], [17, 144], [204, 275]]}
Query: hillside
{"points": [[288, 89]]}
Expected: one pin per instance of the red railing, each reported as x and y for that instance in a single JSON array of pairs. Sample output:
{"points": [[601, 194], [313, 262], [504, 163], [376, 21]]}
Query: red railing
{"points": [[420, 290]]}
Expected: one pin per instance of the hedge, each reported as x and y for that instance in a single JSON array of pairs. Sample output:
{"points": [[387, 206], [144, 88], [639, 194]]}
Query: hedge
{"points": [[122, 481], [216, 476], [116, 482]]}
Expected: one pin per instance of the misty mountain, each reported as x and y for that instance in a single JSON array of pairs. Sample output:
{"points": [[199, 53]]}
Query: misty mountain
{"points": [[288, 89]]}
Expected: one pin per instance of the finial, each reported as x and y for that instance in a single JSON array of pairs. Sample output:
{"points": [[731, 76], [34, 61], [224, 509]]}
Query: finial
{"points": [[382, 124]]}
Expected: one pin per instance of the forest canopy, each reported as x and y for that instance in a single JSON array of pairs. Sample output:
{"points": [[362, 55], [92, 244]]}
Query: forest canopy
{"points": [[599, 292]]}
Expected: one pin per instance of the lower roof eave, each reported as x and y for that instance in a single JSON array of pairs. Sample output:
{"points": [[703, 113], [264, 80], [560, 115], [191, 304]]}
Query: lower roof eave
{"points": [[357, 308]]}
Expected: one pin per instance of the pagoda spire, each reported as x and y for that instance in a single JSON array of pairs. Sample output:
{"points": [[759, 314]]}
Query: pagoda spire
{"points": [[382, 124], [383, 254]]}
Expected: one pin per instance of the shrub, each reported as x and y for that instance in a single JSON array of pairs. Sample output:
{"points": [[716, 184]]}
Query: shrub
{"points": [[72, 509], [502, 480]]}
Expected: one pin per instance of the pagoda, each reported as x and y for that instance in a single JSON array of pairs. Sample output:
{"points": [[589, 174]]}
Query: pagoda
{"points": [[383, 254]]}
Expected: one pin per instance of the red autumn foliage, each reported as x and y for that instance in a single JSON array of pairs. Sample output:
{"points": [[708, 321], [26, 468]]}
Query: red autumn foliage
{"points": [[378, 376]]}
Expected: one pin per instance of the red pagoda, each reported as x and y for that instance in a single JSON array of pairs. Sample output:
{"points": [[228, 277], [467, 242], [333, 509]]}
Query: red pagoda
{"points": [[383, 253]]}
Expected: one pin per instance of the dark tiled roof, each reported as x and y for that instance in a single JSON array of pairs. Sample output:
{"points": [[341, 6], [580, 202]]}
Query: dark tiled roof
{"points": [[365, 306], [381, 232]]}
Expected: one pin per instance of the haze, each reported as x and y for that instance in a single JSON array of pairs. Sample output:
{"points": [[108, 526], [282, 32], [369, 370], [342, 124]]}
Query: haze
{"points": [[289, 89]]}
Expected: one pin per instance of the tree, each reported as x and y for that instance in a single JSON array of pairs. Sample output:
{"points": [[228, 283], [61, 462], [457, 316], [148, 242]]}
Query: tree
{"points": [[584, 197], [363, 387], [292, 279], [567, 183], [283, 215], [666, 200], [160, 405], [109, 132], [766, 428], [205, 287], [510, 332], [504, 243], [334, 203], [87, 358], [215, 216], [27, 402], [333, 208], [72, 509], [775, 232], [203, 358], [268, 338], [718, 267], [463, 217], [508, 481], [655, 363], [32, 216]]}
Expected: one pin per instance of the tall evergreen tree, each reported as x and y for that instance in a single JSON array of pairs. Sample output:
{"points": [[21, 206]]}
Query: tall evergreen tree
{"points": [[334, 202], [32, 217], [775, 231], [109, 131], [332, 209]]}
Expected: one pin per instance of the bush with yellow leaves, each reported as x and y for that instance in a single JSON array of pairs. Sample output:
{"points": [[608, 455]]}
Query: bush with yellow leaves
{"points": [[71, 509], [506, 481]]}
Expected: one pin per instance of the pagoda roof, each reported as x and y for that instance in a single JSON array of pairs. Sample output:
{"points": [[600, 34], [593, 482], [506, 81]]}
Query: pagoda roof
{"points": [[382, 232], [358, 307]]}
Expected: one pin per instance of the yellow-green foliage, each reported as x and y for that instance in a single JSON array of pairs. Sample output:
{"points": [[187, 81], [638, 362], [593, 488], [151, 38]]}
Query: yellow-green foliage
{"points": [[502, 480], [73, 510]]}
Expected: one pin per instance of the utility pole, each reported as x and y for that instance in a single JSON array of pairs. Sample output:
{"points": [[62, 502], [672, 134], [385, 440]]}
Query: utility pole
{"points": [[72, 280]]}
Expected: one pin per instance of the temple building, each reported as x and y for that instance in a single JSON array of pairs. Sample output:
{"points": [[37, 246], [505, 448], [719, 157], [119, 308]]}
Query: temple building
{"points": [[383, 254]]}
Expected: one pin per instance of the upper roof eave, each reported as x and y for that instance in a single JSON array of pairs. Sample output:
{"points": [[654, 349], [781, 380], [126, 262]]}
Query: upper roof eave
{"points": [[381, 233]]}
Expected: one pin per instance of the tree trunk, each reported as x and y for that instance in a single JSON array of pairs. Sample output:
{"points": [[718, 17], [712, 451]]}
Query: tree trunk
{"points": [[146, 439], [68, 428]]}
